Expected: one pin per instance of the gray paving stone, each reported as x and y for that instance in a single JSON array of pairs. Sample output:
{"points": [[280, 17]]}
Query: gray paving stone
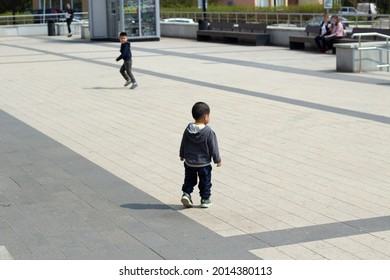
{"points": [[19, 251], [121, 239], [46, 252], [371, 225]]}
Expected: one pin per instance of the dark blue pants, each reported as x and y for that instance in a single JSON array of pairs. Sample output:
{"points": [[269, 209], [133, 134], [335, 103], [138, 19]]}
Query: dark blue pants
{"points": [[191, 179]]}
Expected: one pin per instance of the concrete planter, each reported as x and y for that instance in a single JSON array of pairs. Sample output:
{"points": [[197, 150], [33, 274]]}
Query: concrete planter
{"points": [[348, 59]]}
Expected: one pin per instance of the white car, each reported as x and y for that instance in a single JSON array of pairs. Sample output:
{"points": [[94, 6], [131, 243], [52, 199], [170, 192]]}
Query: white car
{"points": [[350, 11], [368, 9], [179, 20]]}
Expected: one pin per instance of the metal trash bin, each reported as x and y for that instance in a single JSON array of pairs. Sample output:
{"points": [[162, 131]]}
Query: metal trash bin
{"points": [[51, 28], [203, 24], [85, 32]]}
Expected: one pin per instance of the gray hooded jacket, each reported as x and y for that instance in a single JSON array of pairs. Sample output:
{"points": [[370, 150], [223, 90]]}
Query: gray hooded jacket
{"points": [[199, 146]]}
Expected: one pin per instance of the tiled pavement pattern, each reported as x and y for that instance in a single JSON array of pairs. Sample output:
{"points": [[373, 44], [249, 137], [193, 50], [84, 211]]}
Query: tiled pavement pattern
{"points": [[90, 169]]}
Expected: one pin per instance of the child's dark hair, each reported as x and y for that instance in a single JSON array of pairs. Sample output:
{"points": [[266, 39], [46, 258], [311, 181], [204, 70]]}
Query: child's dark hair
{"points": [[199, 110], [122, 34]]}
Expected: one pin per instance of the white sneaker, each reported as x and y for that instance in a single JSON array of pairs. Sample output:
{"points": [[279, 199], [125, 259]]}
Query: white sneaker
{"points": [[127, 83], [134, 85], [186, 200], [205, 203]]}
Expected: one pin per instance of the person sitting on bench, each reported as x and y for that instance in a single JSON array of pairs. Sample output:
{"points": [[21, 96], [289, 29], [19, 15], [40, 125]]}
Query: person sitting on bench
{"points": [[324, 30], [337, 32]]}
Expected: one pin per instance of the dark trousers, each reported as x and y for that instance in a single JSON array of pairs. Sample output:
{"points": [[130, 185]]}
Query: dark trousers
{"points": [[328, 42], [68, 22], [318, 40], [191, 179], [126, 71]]}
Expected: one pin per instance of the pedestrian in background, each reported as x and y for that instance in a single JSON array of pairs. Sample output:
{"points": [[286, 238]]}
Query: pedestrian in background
{"points": [[69, 14]]}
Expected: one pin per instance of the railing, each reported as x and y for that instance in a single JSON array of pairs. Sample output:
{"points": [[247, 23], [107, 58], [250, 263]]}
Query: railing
{"points": [[39, 18], [270, 18], [360, 48], [279, 18]]}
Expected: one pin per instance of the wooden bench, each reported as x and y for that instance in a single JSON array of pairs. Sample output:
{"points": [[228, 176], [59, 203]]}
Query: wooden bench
{"points": [[214, 30], [298, 42], [250, 32], [254, 33]]}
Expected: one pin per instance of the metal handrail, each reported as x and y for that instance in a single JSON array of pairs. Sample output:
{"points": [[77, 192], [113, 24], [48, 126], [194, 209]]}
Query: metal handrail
{"points": [[286, 18], [270, 18], [33, 18], [360, 48]]}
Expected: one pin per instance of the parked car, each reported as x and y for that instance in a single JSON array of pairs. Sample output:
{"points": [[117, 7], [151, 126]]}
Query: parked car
{"points": [[350, 11], [318, 20], [179, 20], [76, 18], [368, 8], [41, 16]]}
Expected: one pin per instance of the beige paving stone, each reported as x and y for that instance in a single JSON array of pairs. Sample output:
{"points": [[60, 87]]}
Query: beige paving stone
{"points": [[230, 232], [360, 246], [377, 244], [335, 253], [299, 252], [347, 244], [384, 235], [371, 255], [314, 245], [271, 254]]}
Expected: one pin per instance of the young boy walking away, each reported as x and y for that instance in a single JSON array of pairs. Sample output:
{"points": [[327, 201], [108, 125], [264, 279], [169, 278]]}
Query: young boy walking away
{"points": [[127, 61], [198, 146]]}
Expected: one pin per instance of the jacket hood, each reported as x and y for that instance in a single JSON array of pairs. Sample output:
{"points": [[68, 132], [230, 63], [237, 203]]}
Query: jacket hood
{"points": [[195, 133]]}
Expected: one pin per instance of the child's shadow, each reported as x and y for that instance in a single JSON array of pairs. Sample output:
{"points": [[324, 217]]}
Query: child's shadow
{"points": [[146, 206], [100, 88], [152, 206]]}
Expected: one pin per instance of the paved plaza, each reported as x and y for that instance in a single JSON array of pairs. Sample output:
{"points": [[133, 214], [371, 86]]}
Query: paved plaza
{"points": [[90, 169]]}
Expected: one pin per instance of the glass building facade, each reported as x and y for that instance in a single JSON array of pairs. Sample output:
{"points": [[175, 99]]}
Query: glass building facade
{"points": [[138, 18]]}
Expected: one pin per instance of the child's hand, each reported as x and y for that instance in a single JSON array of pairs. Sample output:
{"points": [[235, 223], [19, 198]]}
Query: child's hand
{"points": [[219, 164]]}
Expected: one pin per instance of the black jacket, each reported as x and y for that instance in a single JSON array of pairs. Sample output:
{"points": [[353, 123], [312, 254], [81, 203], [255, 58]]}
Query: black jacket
{"points": [[326, 27], [125, 52], [71, 14], [199, 146]]}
